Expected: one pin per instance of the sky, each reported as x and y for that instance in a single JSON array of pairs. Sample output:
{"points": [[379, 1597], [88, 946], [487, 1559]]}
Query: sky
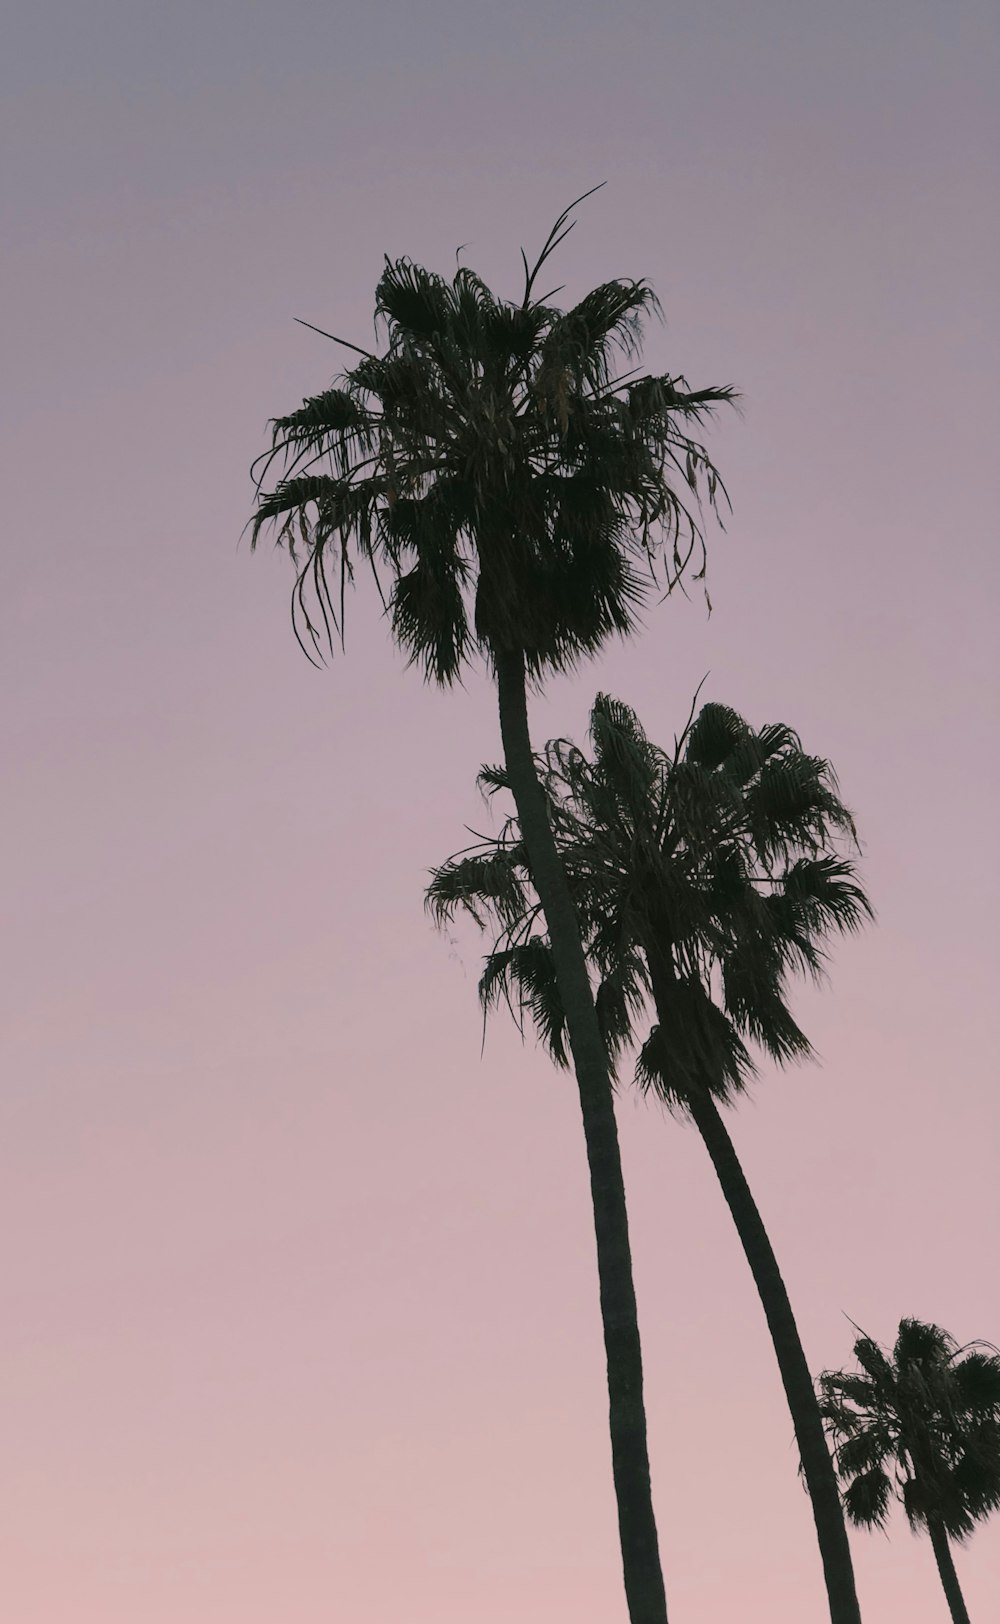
{"points": [[300, 1306]]}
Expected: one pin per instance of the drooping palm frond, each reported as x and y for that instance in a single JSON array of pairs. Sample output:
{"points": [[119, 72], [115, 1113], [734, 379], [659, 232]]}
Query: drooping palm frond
{"points": [[622, 999], [487, 884], [697, 1048], [792, 802], [867, 1499], [493, 779], [518, 490], [336, 416], [754, 996], [815, 898], [524, 976]]}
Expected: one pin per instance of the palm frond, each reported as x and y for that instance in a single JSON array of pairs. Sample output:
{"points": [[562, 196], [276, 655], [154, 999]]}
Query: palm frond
{"points": [[976, 1375], [291, 500], [624, 760], [867, 1499], [493, 779], [620, 1001], [698, 1048], [429, 620], [485, 885], [560, 231], [865, 1449], [415, 301], [525, 976], [333, 412], [581, 347], [715, 736], [753, 995]]}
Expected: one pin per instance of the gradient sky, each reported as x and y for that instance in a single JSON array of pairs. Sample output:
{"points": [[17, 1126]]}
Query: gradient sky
{"points": [[299, 1299]]}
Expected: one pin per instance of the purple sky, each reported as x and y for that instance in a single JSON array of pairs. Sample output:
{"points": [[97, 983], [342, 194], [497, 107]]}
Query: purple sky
{"points": [[299, 1299]]}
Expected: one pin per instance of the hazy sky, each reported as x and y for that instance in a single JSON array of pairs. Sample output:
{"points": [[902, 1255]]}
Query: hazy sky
{"points": [[299, 1300]]}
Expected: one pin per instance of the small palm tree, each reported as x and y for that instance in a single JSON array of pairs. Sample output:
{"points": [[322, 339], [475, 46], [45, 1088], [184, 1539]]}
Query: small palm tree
{"points": [[515, 487], [920, 1423], [702, 877]]}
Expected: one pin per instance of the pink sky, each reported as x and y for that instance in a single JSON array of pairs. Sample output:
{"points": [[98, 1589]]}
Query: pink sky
{"points": [[299, 1299]]}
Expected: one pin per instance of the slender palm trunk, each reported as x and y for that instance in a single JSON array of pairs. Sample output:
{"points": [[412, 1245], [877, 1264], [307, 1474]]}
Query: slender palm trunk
{"points": [[949, 1578], [817, 1466], [629, 1453]]}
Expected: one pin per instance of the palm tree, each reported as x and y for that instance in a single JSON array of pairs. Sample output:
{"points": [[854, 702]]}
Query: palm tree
{"points": [[921, 1422], [518, 488], [702, 878]]}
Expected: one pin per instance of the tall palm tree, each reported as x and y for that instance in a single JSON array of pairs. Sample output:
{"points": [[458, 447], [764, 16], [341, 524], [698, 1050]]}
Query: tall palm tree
{"points": [[702, 877], [518, 488], [921, 1423]]}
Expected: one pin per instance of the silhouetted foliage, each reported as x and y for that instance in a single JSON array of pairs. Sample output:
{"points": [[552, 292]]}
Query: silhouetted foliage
{"points": [[919, 1423], [723, 858], [703, 878], [517, 489], [501, 464]]}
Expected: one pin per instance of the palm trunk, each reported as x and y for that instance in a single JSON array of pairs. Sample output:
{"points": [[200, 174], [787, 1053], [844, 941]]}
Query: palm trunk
{"points": [[817, 1466], [629, 1453], [949, 1578]]}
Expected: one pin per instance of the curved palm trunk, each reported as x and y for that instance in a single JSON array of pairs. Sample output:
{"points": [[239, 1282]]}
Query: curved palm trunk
{"points": [[949, 1578], [630, 1457], [817, 1466]]}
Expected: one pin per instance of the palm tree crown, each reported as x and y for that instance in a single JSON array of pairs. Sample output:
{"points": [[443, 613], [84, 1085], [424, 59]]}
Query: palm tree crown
{"points": [[920, 1423], [517, 485], [713, 869]]}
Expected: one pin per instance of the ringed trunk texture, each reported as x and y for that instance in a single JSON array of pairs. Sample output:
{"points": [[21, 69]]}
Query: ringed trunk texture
{"points": [[629, 1453], [817, 1465], [949, 1578]]}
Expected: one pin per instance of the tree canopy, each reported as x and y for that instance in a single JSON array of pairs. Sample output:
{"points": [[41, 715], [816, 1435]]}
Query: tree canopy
{"points": [[501, 465], [723, 860], [919, 1423]]}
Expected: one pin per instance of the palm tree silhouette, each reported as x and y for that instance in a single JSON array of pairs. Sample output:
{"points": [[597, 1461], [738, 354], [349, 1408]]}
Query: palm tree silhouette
{"points": [[920, 1423], [518, 488], [702, 878]]}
